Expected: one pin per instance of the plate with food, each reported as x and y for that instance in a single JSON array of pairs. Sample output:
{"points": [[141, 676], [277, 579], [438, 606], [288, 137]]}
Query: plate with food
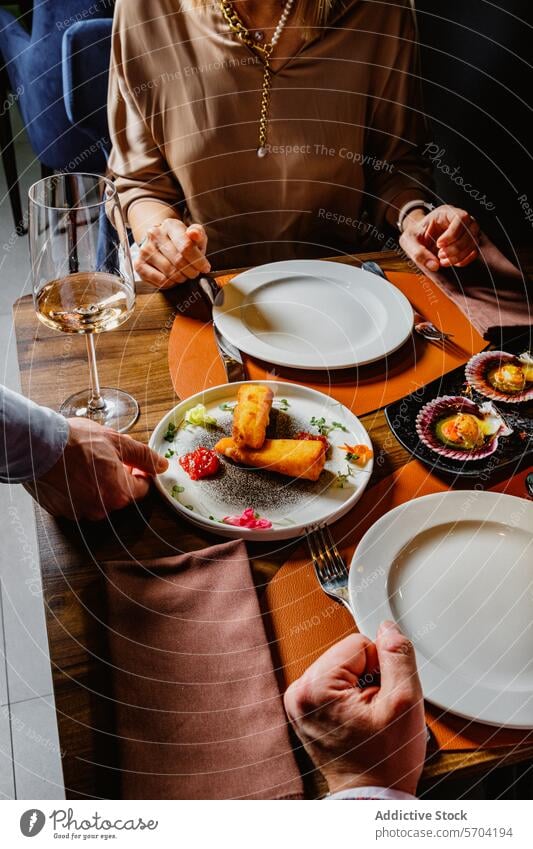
{"points": [[502, 376], [456, 427], [277, 313], [262, 460], [475, 419], [454, 570]]}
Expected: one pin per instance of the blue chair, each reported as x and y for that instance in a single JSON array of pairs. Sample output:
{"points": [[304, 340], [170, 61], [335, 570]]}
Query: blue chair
{"points": [[34, 65], [24, 8], [86, 52]]}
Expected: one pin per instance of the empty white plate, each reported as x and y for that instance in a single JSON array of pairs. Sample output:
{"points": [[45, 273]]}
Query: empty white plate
{"points": [[455, 570], [313, 314]]}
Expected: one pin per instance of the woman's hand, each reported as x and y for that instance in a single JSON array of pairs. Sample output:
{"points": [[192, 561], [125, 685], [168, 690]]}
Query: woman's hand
{"points": [[173, 253], [442, 238]]}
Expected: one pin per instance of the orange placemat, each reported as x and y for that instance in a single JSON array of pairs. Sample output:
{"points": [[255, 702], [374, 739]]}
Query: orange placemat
{"points": [[305, 622], [195, 364]]}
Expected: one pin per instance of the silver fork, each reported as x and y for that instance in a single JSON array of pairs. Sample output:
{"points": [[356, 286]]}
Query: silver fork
{"points": [[429, 330], [330, 568], [332, 575]]}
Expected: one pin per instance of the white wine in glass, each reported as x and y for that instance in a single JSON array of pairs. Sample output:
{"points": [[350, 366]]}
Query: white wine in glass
{"points": [[83, 277]]}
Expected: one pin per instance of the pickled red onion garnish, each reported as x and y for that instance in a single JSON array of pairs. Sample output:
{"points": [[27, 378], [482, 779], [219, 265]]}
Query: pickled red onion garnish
{"points": [[249, 519]]}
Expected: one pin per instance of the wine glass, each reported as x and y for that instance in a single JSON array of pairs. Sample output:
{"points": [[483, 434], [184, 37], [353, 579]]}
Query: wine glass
{"points": [[83, 277]]}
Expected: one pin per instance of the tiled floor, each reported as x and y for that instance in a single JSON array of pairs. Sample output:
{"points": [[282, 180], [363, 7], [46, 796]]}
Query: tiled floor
{"points": [[30, 760]]}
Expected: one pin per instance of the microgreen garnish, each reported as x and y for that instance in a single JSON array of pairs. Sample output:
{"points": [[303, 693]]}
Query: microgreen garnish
{"points": [[227, 407], [176, 490], [170, 433], [283, 404], [343, 479], [324, 428], [169, 453], [357, 454]]}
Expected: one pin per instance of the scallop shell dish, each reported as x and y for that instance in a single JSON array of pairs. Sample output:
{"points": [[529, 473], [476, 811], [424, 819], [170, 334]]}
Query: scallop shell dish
{"points": [[501, 376], [456, 427]]}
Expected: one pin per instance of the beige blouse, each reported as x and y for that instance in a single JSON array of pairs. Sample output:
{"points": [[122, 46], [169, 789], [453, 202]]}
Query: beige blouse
{"points": [[344, 123]]}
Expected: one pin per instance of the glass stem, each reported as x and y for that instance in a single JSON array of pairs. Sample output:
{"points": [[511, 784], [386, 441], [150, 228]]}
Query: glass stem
{"points": [[96, 403]]}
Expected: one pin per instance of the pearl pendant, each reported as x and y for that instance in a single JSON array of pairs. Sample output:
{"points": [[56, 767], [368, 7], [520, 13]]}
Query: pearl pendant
{"points": [[262, 152]]}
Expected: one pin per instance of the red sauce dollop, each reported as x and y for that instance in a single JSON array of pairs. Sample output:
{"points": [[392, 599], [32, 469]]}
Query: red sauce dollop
{"points": [[315, 437], [201, 463]]}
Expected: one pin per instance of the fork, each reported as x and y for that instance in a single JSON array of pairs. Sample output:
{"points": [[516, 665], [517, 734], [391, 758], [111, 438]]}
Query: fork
{"points": [[429, 330], [332, 575], [330, 568]]}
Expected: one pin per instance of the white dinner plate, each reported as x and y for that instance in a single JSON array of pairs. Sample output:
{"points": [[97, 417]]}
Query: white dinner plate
{"points": [[291, 505], [313, 314], [455, 571]]}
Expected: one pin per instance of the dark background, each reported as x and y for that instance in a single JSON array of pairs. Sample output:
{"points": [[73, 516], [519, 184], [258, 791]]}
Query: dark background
{"points": [[476, 61]]}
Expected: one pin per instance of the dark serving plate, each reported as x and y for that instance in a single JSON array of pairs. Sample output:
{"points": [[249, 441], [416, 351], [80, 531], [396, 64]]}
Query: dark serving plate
{"points": [[401, 418]]}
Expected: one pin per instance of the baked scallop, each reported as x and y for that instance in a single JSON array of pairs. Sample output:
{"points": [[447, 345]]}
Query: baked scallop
{"points": [[501, 376], [456, 427]]}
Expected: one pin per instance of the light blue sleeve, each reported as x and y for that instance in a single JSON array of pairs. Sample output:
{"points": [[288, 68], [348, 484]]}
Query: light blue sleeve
{"points": [[32, 438]]}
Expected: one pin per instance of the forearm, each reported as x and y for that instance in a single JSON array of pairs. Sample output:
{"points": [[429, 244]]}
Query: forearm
{"points": [[32, 438], [148, 213]]}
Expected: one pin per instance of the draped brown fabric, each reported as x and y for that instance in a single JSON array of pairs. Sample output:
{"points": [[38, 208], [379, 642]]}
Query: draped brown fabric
{"points": [[198, 710], [345, 119]]}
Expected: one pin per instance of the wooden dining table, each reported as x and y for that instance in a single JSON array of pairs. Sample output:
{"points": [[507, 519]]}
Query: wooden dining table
{"points": [[134, 357]]}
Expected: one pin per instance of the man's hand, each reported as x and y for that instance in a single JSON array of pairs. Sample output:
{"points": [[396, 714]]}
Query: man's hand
{"points": [[173, 253], [363, 736], [94, 475], [445, 237]]}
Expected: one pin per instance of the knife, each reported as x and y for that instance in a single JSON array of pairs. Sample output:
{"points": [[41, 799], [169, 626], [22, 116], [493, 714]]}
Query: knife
{"points": [[229, 354]]}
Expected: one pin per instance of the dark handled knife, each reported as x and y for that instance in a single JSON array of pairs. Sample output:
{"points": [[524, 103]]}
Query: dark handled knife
{"points": [[229, 354]]}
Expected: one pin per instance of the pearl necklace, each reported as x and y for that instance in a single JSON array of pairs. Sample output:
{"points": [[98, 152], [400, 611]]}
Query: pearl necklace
{"points": [[264, 51]]}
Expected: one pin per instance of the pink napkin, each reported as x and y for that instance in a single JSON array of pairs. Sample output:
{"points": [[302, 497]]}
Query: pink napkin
{"points": [[492, 293], [198, 709]]}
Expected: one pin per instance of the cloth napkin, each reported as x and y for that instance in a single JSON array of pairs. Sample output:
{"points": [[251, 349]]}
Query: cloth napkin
{"points": [[198, 709]]}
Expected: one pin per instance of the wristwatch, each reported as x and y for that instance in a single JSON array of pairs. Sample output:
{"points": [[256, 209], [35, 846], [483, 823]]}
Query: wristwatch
{"points": [[408, 207]]}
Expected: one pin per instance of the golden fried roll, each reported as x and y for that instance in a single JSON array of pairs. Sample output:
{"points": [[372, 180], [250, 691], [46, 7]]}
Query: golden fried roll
{"points": [[296, 458], [251, 415]]}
